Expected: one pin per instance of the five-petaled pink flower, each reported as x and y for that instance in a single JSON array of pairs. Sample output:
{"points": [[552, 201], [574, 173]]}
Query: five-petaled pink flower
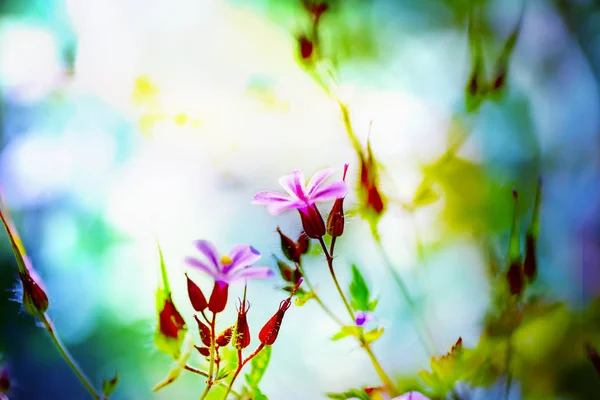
{"points": [[229, 268], [300, 195]]}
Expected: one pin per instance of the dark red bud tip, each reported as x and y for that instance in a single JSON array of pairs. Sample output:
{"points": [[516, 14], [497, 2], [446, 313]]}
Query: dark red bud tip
{"points": [[306, 47], [335, 221], [514, 276], [515, 193], [204, 330], [530, 262], [312, 222], [593, 356], [289, 248], [303, 243], [218, 297], [4, 380], [205, 351], [196, 296], [170, 320], [225, 337], [241, 336], [35, 300]]}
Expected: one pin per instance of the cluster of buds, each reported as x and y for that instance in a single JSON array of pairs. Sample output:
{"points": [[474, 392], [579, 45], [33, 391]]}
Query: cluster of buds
{"points": [[293, 250], [520, 272], [371, 196]]}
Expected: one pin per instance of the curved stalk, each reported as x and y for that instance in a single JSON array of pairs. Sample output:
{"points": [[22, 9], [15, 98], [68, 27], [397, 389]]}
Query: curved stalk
{"points": [[209, 381]]}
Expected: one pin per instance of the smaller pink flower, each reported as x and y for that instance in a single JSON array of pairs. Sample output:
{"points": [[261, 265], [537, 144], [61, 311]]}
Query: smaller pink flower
{"points": [[235, 266], [300, 195]]}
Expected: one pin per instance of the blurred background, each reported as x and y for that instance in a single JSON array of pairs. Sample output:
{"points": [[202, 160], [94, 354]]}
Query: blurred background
{"points": [[123, 121]]}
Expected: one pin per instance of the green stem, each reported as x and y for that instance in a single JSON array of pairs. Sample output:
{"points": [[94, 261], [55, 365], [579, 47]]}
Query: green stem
{"points": [[405, 293], [318, 299], [337, 284], [68, 358], [209, 381], [241, 365], [385, 379], [200, 372]]}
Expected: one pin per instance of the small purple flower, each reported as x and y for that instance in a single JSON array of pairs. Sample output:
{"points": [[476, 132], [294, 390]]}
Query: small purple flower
{"points": [[362, 317], [301, 196], [229, 268]]}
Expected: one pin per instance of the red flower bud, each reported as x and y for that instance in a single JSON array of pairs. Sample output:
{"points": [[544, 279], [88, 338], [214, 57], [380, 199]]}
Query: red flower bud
{"points": [[225, 337], [289, 247], [218, 297], [35, 300], [241, 337], [196, 296], [530, 262], [268, 333], [303, 243], [312, 221], [514, 276], [593, 356], [4, 380], [335, 221], [205, 351], [204, 330], [306, 47], [170, 320]]}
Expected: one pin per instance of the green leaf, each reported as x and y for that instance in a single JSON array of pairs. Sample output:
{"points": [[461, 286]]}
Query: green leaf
{"points": [[109, 386], [425, 194], [359, 290], [355, 331], [302, 298], [373, 335], [229, 360], [350, 394], [258, 395], [259, 365], [373, 305]]}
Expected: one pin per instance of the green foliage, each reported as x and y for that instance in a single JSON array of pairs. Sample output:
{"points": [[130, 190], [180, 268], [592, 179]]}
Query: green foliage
{"points": [[350, 394], [359, 292], [346, 331], [259, 366], [373, 335], [109, 386], [301, 297]]}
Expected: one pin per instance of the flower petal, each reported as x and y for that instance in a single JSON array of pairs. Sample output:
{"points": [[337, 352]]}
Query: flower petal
{"points": [[294, 184], [193, 262], [275, 209], [330, 191], [317, 179], [210, 252], [268, 197], [243, 255], [251, 273]]}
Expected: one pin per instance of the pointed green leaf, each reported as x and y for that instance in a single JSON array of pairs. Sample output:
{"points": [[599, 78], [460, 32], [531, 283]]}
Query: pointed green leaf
{"points": [[15, 240], [359, 291], [347, 331], [425, 194], [302, 298], [514, 249], [259, 364], [373, 305], [109, 386], [350, 394], [373, 335], [163, 271]]}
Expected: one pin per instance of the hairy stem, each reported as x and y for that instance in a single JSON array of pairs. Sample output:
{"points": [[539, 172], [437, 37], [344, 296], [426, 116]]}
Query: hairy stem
{"points": [[385, 379], [240, 366], [329, 258], [68, 358], [209, 381], [200, 372], [318, 299]]}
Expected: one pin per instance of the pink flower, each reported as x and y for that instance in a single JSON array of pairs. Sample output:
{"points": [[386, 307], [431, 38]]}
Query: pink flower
{"points": [[301, 196], [229, 268]]}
